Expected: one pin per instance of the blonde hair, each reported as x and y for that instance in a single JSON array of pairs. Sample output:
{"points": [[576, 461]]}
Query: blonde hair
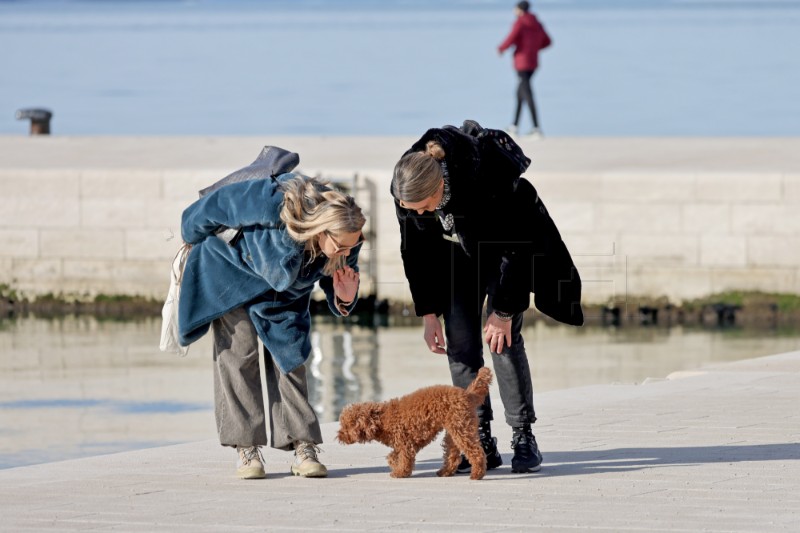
{"points": [[418, 175], [310, 208]]}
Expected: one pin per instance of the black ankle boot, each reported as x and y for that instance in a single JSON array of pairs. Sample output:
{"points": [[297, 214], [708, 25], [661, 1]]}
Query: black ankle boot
{"points": [[489, 445], [527, 457]]}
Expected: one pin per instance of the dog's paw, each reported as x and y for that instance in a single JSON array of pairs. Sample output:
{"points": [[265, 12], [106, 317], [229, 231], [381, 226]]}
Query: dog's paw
{"points": [[477, 475], [443, 472]]}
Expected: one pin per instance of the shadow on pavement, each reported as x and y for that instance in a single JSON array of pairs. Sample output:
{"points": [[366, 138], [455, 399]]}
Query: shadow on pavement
{"points": [[627, 459]]}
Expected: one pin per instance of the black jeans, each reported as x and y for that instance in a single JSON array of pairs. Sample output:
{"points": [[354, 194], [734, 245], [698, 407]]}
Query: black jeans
{"points": [[525, 96], [464, 334]]}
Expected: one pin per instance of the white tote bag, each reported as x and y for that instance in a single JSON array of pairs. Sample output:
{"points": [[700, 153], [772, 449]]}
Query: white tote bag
{"points": [[169, 313]]}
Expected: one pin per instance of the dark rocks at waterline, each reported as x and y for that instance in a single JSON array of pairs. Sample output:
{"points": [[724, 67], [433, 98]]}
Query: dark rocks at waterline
{"points": [[373, 311], [111, 308]]}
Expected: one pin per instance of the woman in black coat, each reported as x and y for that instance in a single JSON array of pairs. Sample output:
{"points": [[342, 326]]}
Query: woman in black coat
{"points": [[472, 229]]}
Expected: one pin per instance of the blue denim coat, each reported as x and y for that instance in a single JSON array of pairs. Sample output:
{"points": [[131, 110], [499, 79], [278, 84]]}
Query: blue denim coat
{"points": [[263, 270]]}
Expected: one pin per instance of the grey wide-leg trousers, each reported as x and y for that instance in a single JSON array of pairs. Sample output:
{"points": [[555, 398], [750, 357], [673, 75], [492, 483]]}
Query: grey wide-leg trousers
{"points": [[238, 400]]}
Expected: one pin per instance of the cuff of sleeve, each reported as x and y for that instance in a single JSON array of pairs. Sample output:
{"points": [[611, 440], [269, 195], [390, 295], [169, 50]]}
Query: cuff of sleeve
{"points": [[344, 308], [505, 317], [512, 306]]}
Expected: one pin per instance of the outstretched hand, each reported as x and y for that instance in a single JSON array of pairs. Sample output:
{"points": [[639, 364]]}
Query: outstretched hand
{"points": [[345, 284]]}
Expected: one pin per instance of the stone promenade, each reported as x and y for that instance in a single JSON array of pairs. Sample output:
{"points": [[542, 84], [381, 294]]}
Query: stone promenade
{"points": [[717, 449]]}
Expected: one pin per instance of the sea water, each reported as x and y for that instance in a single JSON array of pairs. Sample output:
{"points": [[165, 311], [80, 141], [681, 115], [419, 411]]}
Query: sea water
{"points": [[383, 67], [78, 386]]}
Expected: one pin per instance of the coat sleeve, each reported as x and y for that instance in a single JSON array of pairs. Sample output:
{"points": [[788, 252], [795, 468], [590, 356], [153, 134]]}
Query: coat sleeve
{"points": [[512, 37], [505, 214], [425, 268], [269, 256], [546, 40], [326, 284], [539, 260], [234, 206], [517, 249]]}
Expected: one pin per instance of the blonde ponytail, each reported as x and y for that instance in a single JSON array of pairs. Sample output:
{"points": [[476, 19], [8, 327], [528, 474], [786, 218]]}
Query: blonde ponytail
{"points": [[435, 150]]}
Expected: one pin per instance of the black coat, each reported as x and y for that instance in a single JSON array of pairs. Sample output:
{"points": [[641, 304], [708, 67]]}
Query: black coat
{"points": [[500, 221]]}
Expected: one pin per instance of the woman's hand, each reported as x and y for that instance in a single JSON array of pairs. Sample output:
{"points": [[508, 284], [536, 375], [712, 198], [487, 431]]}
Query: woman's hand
{"points": [[434, 337], [345, 284], [497, 333]]}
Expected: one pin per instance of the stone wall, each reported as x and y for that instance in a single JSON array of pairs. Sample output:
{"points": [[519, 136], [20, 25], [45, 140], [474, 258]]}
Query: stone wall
{"points": [[679, 234], [92, 231]]}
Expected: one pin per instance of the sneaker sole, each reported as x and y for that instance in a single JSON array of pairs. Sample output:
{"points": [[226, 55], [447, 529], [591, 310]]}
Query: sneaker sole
{"points": [[519, 470], [251, 473], [320, 473]]}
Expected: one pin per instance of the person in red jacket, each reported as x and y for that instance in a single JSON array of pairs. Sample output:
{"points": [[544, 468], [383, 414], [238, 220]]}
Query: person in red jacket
{"points": [[528, 37]]}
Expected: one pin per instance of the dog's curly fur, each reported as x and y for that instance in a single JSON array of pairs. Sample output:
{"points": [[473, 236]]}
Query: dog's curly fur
{"points": [[410, 423]]}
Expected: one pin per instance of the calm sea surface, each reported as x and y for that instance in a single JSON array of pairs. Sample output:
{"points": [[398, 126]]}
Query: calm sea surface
{"points": [[79, 386], [227, 67]]}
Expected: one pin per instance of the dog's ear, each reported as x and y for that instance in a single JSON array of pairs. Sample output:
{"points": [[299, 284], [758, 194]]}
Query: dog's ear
{"points": [[359, 422], [364, 420], [371, 420], [348, 420]]}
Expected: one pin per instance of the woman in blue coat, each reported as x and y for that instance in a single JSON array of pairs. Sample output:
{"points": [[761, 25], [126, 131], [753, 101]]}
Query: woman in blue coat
{"points": [[292, 232]]}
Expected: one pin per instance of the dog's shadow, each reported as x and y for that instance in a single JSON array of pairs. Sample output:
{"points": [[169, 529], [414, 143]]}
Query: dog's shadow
{"points": [[335, 472], [425, 468], [588, 462]]}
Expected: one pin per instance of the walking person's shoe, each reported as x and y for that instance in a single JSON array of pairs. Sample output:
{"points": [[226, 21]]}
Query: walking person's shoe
{"points": [[489, 445], [512, 129], [536, 133], [527, 457], [251, 463], [305, 461]]}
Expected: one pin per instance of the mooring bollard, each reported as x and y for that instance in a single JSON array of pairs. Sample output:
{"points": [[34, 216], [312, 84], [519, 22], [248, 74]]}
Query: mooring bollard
{"points": [[648, 315], [40, 119], [611, 315], [726, 313]]}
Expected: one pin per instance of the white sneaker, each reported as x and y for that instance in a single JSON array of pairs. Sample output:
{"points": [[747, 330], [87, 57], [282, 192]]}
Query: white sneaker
{"points": [[251, 463], [536, 133], [512, 129], [305, 461]]}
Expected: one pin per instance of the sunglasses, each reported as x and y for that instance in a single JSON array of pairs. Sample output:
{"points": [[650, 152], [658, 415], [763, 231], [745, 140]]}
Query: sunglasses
{"points": [[338, 248]]}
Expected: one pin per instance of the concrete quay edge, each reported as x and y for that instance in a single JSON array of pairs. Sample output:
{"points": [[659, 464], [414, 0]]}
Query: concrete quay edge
{"points": [[593, 155], [714, 450]]}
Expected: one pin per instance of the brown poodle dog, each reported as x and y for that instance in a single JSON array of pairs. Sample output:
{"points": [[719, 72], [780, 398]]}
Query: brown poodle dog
{"points": [[410, 423]]}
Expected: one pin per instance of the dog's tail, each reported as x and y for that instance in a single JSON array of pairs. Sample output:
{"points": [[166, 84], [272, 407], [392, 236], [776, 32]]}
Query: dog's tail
{"points": [[479, 388]]}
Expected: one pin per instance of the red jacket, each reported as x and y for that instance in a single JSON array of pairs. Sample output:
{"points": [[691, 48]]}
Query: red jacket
{"points": [[528, 37]]}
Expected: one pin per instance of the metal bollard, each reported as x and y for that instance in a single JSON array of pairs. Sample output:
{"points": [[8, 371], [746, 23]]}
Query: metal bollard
{"points": [[726, 313], [611, 315], [40, 119], [648, 315]]}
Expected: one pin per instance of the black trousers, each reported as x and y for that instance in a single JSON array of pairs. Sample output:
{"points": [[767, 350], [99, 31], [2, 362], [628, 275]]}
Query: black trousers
{"points": [[525, 96], [463, 326]]}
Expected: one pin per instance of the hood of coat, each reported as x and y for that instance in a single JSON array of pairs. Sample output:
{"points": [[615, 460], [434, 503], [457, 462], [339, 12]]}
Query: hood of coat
{"points": [[528, 20]]}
